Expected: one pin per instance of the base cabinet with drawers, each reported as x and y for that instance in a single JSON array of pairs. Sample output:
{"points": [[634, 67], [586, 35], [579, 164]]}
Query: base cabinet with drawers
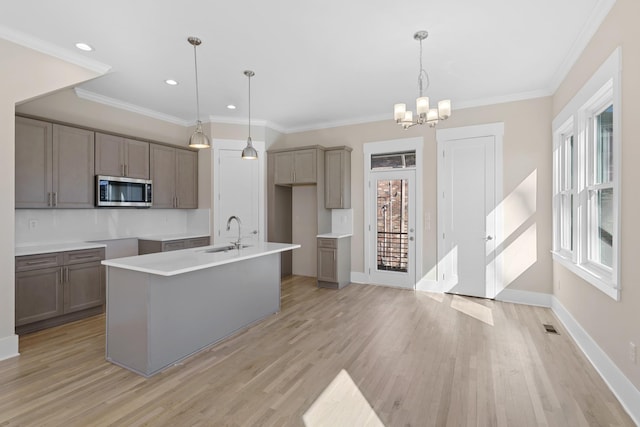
{"points": [[334, 262], [55, 288], [153, 246]]}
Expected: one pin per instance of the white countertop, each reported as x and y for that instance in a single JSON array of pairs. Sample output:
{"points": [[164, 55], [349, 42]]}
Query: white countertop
{"points": [[334, 235], [56, 247], [186, 260], [168, 237]]}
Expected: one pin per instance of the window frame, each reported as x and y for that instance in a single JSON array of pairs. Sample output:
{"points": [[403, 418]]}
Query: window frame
{"points": [[579, 118]]}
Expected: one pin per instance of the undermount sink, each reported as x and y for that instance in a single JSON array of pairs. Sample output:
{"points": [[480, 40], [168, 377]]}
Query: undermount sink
{"points": [[225, 248]]}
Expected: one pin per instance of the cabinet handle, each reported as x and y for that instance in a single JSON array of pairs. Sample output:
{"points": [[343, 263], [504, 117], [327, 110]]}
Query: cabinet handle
{"points": [[61, 278], [66, 274], [49, 199], [83, 256], [334, 256], [126, 170], [121, 169], [294, 176], [55, 198]]}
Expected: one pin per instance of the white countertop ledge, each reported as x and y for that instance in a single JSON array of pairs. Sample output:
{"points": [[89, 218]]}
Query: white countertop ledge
{"points": [[186, 260], [56, 247], [168, 237], [334, 235]]}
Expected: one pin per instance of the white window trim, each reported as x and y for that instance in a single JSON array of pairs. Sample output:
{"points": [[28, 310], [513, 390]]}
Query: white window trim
{"points": [[605, 84]]}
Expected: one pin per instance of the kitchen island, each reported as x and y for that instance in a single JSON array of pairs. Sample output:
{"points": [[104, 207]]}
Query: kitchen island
{"points": [[165, 306]]}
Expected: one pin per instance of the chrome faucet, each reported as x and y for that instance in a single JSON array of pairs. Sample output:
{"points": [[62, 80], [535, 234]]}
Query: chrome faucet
{"points": [[232, 217]]}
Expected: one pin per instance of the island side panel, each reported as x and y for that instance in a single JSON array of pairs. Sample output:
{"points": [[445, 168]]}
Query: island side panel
{"points": [[127, 311], [193, 310]]}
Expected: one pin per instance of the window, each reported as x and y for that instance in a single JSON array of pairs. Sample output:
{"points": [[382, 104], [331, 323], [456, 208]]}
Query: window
{"points": [[586, 180]]}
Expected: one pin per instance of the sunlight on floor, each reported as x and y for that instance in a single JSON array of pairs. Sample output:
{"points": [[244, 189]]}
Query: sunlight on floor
{"points": [[473, 309], [341, 404]]}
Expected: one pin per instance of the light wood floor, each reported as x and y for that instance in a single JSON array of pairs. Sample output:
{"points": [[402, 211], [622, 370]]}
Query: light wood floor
{"points": [[418, 359]]}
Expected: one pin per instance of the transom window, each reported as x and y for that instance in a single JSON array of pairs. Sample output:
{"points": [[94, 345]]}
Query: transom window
{"points": [[586, 180]]}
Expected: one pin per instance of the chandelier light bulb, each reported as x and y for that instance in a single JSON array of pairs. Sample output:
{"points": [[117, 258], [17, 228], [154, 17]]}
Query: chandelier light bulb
{"points": [[398, 112]]}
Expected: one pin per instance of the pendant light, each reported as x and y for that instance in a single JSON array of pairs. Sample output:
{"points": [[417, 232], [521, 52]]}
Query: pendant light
{"points": [[198, 139], [249, 152]]}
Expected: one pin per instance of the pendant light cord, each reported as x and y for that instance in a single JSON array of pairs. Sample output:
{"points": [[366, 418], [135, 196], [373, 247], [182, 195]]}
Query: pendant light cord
{"points": [[195, 60], [249, 106]]}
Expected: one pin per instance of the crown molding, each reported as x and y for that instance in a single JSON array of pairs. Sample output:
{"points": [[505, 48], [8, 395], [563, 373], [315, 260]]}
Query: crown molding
{"points": [[591, 26], [243, 121], [514, 97], [50, 49], [339, 123], [116, 103]]}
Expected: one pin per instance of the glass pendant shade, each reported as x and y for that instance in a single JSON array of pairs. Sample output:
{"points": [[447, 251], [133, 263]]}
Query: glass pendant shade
{"points": [[444, 109], [398, 111], [249, 153], [199, 139], [422, 106]]}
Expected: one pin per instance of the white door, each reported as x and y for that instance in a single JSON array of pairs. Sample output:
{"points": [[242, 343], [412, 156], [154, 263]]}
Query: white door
{"points": [[392, 227], [468, 229], [238, 191]]}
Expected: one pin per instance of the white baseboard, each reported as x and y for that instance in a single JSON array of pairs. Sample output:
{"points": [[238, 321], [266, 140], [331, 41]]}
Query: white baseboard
{"points": [[622, 388], [428, 285], [524, 297], [9, 347], [358, 277]]}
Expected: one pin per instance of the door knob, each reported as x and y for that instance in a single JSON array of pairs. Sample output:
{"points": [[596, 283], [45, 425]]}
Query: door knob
{"points": [[254, 232], [488, 238]]}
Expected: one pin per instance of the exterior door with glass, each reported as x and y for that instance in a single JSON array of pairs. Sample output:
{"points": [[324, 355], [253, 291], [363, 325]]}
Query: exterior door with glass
{"points": [[392, 227]]}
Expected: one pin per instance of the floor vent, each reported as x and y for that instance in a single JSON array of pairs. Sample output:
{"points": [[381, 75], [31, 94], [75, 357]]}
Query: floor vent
{"points": [[550, 329]]}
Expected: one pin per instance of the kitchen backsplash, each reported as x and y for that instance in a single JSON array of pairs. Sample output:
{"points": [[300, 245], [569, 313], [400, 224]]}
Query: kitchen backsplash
{"points": [[41, 226]]}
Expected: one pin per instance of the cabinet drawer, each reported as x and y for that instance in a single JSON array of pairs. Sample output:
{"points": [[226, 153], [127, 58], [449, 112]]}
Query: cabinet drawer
{"points": [[34, 262], [174, 245], [87, 255], [200, 241], [327, 243]]}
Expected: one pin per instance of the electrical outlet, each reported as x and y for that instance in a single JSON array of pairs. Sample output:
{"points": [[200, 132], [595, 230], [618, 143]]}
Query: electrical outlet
{"points": [[633, 354], [33, 223]]}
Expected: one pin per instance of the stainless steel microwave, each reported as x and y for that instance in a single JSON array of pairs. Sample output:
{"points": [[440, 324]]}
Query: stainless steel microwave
{"points": [[118, 191]]}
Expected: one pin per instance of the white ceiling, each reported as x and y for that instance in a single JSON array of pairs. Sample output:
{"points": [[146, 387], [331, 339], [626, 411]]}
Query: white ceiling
{"points": [[318, 63]]}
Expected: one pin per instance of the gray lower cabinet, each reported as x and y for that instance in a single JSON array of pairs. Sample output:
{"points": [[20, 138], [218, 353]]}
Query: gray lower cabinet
{"points": [[174, 173], [337, 178], [54, 165], [334, 262], [56, 288], [153, 246]]}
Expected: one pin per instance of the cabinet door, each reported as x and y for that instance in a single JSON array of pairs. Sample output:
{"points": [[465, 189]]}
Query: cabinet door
{"points": [[39, 295], [198, 242], [136, 158], [163, 175], [174, 245], [33, 145], [333, 166], [283, 173], [109, 155], [327, 267], [305, 166], [83, 286], [73, 170], [186, 179]]}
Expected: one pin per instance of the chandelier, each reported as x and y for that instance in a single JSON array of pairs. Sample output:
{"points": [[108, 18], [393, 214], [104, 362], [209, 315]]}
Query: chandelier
{"points": [[424, 114]]}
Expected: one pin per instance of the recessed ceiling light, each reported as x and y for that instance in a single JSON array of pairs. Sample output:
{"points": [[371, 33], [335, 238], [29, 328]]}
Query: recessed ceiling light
{"points": [[171, 82], [231, 107], [84, 46]]}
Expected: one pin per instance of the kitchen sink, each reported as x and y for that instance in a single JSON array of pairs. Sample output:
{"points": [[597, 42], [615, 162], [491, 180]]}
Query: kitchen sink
{"points": [[225, 248]]}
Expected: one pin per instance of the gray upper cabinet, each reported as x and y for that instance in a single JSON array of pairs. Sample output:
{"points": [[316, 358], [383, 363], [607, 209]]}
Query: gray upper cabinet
{"points": [[73, 171], [118, 156], [296, 167], [186, 179], [54, 165], [174, 173], [34, 146], [337, 175]]}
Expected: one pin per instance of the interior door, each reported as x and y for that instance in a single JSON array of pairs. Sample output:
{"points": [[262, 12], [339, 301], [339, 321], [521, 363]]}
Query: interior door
{"points": [[392, 228], [469, 222], [239, 194]]}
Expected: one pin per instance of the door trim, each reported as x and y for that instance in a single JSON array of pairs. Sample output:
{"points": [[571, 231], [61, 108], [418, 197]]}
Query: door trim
{"points": [[238, 145], [392, 146], [495, 130]]}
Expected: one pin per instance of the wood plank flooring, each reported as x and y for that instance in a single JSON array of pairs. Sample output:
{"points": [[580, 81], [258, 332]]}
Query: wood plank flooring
{"points": [[418, 359]]}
